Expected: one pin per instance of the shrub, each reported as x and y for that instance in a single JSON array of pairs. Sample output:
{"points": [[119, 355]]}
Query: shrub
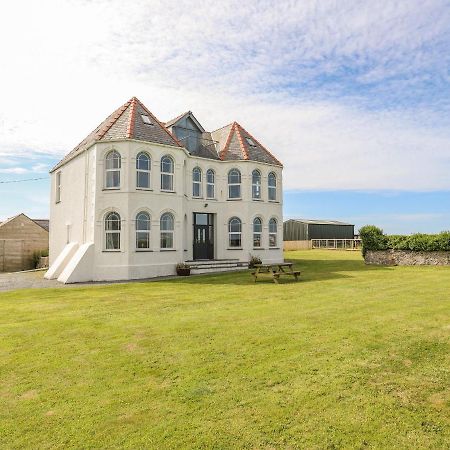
{"points": [[373, 239], [254, 260], [37, 256]]}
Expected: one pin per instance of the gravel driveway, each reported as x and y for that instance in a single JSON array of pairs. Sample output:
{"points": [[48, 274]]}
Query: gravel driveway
{"points": [[25, 280]]}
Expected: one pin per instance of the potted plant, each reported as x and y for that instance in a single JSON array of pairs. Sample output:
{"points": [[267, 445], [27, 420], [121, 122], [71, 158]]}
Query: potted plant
{"points": [[183, 269]]}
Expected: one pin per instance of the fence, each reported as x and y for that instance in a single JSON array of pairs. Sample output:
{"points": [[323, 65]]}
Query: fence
{"points": [[296, 245], [12, 255], [336, 244]]}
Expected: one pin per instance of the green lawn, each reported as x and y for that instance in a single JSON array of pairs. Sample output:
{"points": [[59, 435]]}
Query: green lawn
{"points": [[350, 357]]}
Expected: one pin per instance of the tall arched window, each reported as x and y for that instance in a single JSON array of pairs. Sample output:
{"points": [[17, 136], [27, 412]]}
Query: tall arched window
{"points": [[256, 184], [143, 167], [210, 184], [273, 232], [142, 230], [197, 182], [112, 231], [235, 232], [166, 227], [112, 170], [257, 231], [167, 169], [272, 186], [234, 183]]}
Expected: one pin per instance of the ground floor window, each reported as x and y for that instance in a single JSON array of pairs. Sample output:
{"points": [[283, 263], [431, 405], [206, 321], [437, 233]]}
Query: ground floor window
{"points": [[235, 232], [257, 230], [167, 230], [112, 231], [272, 232], [143, 231]]}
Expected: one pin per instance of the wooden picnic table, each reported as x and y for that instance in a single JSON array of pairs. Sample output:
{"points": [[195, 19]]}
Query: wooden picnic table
{"points": [[275, 270]]}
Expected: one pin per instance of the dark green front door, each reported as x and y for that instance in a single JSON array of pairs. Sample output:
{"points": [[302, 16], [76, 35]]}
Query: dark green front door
{"points": [[203, 236]]}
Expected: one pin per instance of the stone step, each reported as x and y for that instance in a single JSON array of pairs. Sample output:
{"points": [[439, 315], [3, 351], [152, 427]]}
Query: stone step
{"points": [[217, 269]]}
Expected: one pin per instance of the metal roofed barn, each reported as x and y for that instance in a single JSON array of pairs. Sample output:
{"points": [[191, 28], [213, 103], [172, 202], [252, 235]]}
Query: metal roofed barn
{"points": [[306, 230]]}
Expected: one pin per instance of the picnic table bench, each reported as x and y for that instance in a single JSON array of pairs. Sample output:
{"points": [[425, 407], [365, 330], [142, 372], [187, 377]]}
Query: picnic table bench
{"points": [[275, 271]]}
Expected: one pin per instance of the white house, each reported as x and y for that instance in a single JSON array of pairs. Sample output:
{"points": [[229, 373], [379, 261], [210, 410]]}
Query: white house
{"points": [[138, 196]]}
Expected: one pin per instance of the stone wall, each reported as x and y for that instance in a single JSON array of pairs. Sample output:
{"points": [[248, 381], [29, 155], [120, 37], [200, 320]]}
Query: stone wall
{"points": [[407, 258]]}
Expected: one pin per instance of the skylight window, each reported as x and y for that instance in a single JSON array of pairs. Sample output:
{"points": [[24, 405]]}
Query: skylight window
{"points": [[250, 142], [146, 119]]}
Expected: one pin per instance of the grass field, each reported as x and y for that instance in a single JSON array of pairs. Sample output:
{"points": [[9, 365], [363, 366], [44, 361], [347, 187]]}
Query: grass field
{"points": [[350, 357]]}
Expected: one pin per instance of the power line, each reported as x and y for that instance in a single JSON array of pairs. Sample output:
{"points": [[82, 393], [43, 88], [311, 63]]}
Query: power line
{"points": [[21, 181]]}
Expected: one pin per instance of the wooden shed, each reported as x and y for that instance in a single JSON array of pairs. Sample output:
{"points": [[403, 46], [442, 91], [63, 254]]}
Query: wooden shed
{"points": [[20, 237]]}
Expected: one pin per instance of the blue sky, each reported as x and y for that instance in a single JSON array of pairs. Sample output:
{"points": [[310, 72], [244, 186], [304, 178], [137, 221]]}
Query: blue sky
{"points": [[352, 96]]}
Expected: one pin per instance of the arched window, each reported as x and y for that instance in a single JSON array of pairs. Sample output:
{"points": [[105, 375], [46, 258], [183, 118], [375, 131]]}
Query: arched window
{"points": [[273, 232], [166, 227], [142, 230], [234, 183], [197, 182], [167, 173], [272, 186], [256, 184], [257, 231], [112, 170], [210, 184], [235, 232], [112, 231], [143, 167]]}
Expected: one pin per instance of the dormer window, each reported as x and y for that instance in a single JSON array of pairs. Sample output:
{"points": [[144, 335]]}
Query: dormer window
{"points": [[146, 119], [250, 142]]}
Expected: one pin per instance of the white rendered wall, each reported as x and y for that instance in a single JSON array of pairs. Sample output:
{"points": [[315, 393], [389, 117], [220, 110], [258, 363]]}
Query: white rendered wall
{"points": [[86, 213]]}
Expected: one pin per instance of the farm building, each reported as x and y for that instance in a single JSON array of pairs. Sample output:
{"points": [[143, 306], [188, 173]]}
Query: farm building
{"points": [[20, 237], [305, 230]]}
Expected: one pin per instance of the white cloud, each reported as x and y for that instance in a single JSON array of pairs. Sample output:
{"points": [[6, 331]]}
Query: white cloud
{"points": [[288, 73]]}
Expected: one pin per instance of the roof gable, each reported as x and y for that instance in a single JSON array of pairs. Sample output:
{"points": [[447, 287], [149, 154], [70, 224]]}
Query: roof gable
{"points": [[185, 119], [126, 122], [236, 143]]}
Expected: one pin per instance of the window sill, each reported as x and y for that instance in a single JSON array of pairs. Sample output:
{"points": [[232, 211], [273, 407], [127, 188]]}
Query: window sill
{"points": [[59, 201], [257, 199], [111, 189], [167, 191], [143, 250], [233, 199], [167, 249], [258, 248], [211, 198], [143, 189], [273, 201], [197, 198], [112, 251], [235, 248], [274, 248]]}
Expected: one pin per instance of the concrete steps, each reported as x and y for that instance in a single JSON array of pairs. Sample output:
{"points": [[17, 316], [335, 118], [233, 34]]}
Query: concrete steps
{"points": [[217, 265]]}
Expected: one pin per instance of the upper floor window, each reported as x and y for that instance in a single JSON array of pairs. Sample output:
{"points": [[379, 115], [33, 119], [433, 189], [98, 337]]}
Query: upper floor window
{"points": [[210, 184], [272, 186], [257, 231], [234, 183], [112, 231], [256, 184], [58, 187], [197, 182], [143, 167], [166, 226], [273, 232], [235, 232], [143, 230], [167, 169], [112, 168]]}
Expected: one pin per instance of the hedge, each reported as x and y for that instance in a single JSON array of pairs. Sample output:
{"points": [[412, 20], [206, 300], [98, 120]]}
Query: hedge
{"points": [[373, 238]]}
